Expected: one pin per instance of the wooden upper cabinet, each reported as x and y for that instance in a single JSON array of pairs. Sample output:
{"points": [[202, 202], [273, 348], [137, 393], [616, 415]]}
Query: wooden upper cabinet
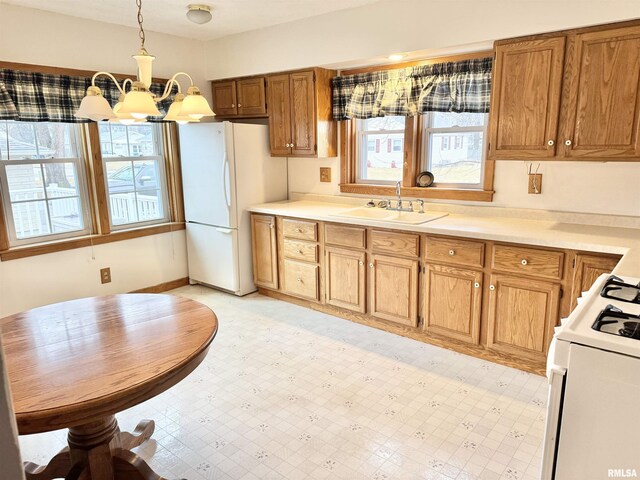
{"points": [[265, 251], [251, 96], [525, 98], [602, 95], [303, 125], [240, 98], [300, 119], [588, 267], [279, 114], [224, 98]]}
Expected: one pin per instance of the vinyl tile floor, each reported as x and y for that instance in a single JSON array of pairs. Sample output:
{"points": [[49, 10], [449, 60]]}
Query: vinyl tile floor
{"points": [[290, 393]]}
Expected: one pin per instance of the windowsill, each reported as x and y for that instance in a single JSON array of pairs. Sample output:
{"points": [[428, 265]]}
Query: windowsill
{"points": [[419, 192], [86, 241]]}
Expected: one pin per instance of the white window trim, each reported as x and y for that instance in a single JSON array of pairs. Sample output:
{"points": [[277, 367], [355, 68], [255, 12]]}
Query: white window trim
{"points": [[425, 162], [81, 179], [361, 150], [162, 177]]}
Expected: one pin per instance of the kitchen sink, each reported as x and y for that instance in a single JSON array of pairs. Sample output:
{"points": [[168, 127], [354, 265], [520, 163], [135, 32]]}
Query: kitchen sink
{"points": [[384, 215]]}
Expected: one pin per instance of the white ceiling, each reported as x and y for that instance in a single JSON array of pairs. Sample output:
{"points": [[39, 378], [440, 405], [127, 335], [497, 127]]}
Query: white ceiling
{"points": [[168, 16]]}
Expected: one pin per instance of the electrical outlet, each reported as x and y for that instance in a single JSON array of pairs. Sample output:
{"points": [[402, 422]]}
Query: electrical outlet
{"points": [[105, 275], [325, 174], [535, 183]]}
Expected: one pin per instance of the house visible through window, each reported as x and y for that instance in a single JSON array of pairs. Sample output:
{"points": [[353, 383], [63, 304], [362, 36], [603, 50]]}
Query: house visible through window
{"points": [[379, 152], [43, 181], [453, 148], [134, 170]]}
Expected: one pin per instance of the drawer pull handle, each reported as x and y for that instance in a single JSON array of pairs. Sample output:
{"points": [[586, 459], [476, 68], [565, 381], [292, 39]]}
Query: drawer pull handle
{"points": [[492, 287], [524, 261], [476, 285], [452, 252]]}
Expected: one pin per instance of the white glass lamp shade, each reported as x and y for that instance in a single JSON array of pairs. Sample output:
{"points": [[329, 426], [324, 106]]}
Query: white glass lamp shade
{"points": [[173, 115], [94, 106], [139, 104], [195, 105], [123, 118], [199, 14]]}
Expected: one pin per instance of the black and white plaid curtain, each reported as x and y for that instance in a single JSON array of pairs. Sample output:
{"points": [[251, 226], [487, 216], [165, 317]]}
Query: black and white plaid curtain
{"points": [[40, 97], [463, 86]]}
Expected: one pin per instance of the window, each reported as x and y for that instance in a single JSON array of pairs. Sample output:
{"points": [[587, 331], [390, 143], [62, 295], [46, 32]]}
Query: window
{"points": [[43, 181], [135, 174], [376, 161], [453, 148]]}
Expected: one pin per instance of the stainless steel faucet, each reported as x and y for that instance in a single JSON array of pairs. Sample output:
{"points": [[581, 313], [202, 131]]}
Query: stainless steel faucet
{"points": [[398, 184], [399, 206]]}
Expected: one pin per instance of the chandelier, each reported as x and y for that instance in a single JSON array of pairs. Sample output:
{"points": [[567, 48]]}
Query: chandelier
{"points": [[138, 103]]}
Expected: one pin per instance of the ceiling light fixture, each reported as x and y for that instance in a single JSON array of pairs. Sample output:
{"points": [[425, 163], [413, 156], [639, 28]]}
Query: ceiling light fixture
{"points": [[199, 13], [139, 103], [396, 56]]}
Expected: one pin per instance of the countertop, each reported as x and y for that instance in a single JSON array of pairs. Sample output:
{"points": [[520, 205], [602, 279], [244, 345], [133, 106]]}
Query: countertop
{"points": [[591, 238]]}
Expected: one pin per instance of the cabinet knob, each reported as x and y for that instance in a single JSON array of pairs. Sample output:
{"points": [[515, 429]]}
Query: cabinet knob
{"points": [[239, 105], [476, 285], [492, 287], [360, 263], [371, 265], [299, 280], [300, 252], [524, 261], [271, 225], [567, 143], [551, 143], [452, 252], [299, 230], [233, 105]]}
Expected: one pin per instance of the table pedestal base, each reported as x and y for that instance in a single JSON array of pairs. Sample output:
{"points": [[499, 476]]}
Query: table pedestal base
{"points": [[98, 451]]}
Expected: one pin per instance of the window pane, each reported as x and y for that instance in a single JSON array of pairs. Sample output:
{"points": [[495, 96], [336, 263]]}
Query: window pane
{"points": [[456, 157], [120, 176], [118, 140], [379, 160], [60, 180], [383, 123], [123, 208], [65, 215], [141, 141], [149, 205], [25, 182], [4, 144], [452, 119], [30, 219]]}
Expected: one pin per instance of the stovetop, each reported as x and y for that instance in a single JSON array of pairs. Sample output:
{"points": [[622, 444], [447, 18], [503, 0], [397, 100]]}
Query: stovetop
{"points": [[615, 321]]}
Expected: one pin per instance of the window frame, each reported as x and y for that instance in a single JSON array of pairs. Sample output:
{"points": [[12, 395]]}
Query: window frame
{"points": [[425, 148], [162, 179], [361, 147], [413, 140], [79, 163]]}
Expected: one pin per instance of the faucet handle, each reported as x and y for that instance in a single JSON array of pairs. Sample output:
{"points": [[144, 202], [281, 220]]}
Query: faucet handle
{"points": [[421, 203], [411, 205]]}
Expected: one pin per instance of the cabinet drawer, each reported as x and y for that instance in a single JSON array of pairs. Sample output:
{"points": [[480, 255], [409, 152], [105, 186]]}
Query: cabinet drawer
{"points": [[452, 250], [528, 261], [300, 229], [345, 236], [301, 250], [397, 243], [301, 279]]}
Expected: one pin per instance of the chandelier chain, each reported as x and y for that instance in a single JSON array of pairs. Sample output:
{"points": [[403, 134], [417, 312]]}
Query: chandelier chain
{"points": [[140, 19]]}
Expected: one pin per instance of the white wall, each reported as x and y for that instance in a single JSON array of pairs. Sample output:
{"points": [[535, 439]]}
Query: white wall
{"points": [[45, 38], [368, 34]]}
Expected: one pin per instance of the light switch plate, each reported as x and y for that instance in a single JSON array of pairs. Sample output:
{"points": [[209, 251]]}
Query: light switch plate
{"points": [[535, 183], [325, 174]]}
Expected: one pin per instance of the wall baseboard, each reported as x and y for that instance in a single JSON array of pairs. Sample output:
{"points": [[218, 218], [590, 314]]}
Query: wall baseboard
{"points": [[163, 287]]}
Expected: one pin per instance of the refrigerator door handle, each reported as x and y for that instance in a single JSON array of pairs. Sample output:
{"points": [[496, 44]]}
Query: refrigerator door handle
{"points": [[225, 175], [224, 230]]}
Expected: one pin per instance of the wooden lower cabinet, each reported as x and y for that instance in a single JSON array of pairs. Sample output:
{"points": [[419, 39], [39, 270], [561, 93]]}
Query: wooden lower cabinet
{"points": [[393, 289], [345, 275], [588, 267], [301, 279], [453, 302], [522, 314], [265, 251]]}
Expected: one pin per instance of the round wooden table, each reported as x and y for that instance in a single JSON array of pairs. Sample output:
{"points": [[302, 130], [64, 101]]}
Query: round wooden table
{"points": [[75, 364]]}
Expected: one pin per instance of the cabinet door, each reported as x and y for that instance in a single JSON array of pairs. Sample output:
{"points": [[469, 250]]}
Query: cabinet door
{"points": [[224, 98], [587, 269], [526, 99], [345, 278], [453, 302], [393, 290], [522, 314], [303, 115], [279, 102], [602, 91], [251, 96], [265, 251]]}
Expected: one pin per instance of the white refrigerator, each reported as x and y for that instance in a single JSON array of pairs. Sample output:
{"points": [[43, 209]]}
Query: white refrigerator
{"points": [[226, 167]]}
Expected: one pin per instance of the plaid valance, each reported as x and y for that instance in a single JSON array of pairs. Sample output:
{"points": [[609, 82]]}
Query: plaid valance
{"points": [[463, 86], [41, 97]]}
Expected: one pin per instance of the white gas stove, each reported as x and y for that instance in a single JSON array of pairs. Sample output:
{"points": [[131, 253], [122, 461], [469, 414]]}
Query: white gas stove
{"points": [[593, 426]]}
